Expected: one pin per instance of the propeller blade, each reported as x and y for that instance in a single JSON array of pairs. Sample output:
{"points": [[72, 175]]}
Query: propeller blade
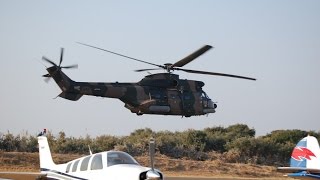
{"points": [[213, 73], [140, 70], [152, 148], [121, 55], [48, 60], [61, 56], [192, 56], [70, 67]]}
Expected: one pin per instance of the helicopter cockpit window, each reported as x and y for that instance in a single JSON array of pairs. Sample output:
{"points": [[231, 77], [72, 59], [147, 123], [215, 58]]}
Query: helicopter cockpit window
{"points": [[115, 158], [205, 99], [204, 95]]}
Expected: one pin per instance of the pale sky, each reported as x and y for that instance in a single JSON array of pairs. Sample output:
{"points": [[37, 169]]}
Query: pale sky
{"points": [[277, 42]]}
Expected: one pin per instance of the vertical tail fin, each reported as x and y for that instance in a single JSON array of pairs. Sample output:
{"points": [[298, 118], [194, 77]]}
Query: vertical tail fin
{"points": [[45, 153], [63, 81], [69, 91], [306, 154]]}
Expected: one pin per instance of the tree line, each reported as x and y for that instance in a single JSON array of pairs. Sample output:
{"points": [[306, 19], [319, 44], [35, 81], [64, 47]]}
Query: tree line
{"points": [[234, 144]]}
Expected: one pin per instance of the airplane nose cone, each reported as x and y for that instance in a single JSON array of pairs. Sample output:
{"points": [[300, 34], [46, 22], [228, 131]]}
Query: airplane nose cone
{"points": [[153, 175]]}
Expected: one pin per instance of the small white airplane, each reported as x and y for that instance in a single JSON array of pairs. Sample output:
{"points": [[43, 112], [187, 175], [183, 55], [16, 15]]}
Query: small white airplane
{"points": [[305, 160], [111, 165]]}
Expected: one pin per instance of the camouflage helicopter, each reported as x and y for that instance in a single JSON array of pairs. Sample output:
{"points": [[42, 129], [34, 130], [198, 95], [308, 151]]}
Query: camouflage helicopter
{"points": [[160, 93]]}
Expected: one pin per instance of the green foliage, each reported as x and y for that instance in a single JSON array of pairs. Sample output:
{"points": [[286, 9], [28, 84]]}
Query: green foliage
{"points": [[235, 144]]}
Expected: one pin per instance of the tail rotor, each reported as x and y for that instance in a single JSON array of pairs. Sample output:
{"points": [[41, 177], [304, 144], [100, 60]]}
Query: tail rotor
{"points": [[56, 67]]}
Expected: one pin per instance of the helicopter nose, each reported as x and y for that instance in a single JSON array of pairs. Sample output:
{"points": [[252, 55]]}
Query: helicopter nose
{"points": [[215, 106], [210, 107]]}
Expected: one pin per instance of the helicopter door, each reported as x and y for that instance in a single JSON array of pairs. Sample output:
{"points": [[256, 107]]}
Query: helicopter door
{"points": [[174, 101], [187, 101]]}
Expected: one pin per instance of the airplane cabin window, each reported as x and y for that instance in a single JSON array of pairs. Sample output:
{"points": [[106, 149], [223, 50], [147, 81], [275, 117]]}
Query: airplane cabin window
{"points": [[115, 158], [84, 163], [68, 167], [75, 165], [96, 162]]}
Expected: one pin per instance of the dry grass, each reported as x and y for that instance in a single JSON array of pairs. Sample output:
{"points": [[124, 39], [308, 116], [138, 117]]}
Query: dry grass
{"points": [[15, 161], [180, 167]]}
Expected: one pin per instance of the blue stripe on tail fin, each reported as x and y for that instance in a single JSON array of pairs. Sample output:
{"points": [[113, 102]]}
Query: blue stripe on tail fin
{"points": [[297, 159], [306, 154]]}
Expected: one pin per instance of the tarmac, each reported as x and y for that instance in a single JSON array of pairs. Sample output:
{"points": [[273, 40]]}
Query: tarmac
{"points": [[222, 178]]}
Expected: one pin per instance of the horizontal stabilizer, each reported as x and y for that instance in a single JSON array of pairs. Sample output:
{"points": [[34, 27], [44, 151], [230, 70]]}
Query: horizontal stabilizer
{"points": [[304, 175], [70, 96], [297, 169]]}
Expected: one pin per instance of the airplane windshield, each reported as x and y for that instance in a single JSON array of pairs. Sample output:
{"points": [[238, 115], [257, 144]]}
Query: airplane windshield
{"points": [[115, 158]]}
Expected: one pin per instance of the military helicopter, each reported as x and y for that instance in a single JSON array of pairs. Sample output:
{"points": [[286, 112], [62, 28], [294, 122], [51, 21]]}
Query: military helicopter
{"points": [[160, 93]]}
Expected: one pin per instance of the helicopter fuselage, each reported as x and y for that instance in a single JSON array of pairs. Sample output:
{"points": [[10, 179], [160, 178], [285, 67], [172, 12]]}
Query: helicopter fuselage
{"points": [[162, 93]]}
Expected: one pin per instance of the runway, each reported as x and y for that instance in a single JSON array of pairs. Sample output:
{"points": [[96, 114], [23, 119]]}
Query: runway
{"points": [[222, 178], [195, 178]]}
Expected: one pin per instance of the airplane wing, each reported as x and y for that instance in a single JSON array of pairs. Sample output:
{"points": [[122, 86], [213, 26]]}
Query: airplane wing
{"points": [[297, 169], [22, 175]]}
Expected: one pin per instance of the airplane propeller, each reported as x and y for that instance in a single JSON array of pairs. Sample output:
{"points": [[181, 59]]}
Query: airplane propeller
{"points": [[48, 76], [177, 65], [152, 174]]}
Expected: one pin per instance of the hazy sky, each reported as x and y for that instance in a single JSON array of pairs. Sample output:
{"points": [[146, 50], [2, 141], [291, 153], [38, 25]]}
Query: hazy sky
{"points": [[277, 42]]}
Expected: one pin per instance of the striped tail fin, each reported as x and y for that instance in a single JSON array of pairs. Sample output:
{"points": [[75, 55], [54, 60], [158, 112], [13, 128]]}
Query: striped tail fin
{"points": [[305, 160], [306, 154]]}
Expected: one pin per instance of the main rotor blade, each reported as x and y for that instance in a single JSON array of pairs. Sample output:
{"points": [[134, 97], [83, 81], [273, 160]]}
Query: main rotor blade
{"points": [[151, 69], [48, 60], [61, 56], [215, 74], [70, 67], [192, 56], [121, 55]]}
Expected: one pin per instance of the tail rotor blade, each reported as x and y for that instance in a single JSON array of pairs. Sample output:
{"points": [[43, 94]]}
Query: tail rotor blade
{"points": [[61, 56], [70, 67], [48, 60]]}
